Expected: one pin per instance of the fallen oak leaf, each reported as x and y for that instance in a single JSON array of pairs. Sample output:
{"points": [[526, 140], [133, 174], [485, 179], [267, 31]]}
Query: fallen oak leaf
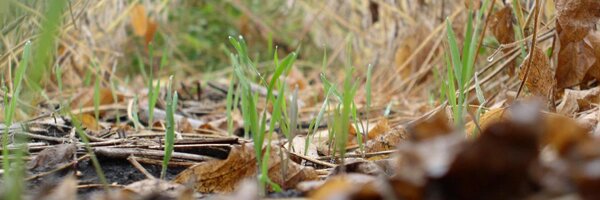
{"points": [[575, 18], [576, 100], [380, 128], [347, 186], [53, 157], [574, 61], [224, 175], [434, 124], [387, 141], [502, 28], [540, 80]]}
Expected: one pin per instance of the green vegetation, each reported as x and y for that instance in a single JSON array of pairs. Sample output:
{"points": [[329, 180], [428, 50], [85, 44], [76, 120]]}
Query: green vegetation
{"points": [[14, 169], [170, 131], [460, 67]]}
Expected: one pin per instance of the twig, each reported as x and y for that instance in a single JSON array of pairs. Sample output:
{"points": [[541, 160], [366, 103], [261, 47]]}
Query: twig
{"points": [[126, 152], [138, 166], [532, 50], [487, 20], [172, 163], [367, 155], [327, 164], [42, 137]]}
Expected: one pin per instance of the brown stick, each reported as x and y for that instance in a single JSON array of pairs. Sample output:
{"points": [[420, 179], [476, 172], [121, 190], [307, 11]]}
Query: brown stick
{"points": [[533, 43], [124, 153], [138, 166]]}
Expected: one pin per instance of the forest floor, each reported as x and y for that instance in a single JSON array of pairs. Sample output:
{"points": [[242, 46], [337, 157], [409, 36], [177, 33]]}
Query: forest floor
{"points": [[309, 99]]}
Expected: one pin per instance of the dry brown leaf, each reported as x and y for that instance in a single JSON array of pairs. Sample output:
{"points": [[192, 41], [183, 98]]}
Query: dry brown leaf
{"points": [[417, 161], [388, 141], [498, 163], [577, 100], [540, 80], [558, 131], [594, 39], [562, 133], [184, 126], [359, 166], [348, 186], [150, 31], [85, 98], [380, 128], [158, 188], [327, 147], [575, 18], [489, 117], [574, 61], [429, 126], [502, 28], [224, 175], [53, 157], [139, 20], [89, 122]]}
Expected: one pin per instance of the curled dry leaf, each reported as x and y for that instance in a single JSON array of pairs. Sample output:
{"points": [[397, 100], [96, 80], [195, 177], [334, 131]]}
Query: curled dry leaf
{"points": [[497, 163], [489, 117], [326, 147], [359, 166], [348, 186], [435, 124], [575, 18], [574, 61], [417, 161], [594, 39], [157, 187], [52, 157], [381, 127], [540, 80], [85, 99], [150, 31], [502, 28], [389, 140], [576, 100], [139, 20], [558, 131], [224, 175]]}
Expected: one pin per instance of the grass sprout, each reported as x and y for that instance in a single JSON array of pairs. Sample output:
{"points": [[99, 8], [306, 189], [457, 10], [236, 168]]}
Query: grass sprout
{"points": [[170, 130]]}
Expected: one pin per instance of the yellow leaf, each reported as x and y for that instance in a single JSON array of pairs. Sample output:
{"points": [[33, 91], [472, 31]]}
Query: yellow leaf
{"points": [[139, 20]]}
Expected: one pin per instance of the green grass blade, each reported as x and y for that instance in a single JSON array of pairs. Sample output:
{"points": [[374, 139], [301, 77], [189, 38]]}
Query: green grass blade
{"points": [[170, 130]]}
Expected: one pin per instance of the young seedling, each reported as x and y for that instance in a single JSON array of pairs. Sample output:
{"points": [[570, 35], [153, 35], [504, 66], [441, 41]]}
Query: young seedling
{"points": [[83, 136], [14, 170], [460, 67], [368, 89], [254, 124], [170, 131]]}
